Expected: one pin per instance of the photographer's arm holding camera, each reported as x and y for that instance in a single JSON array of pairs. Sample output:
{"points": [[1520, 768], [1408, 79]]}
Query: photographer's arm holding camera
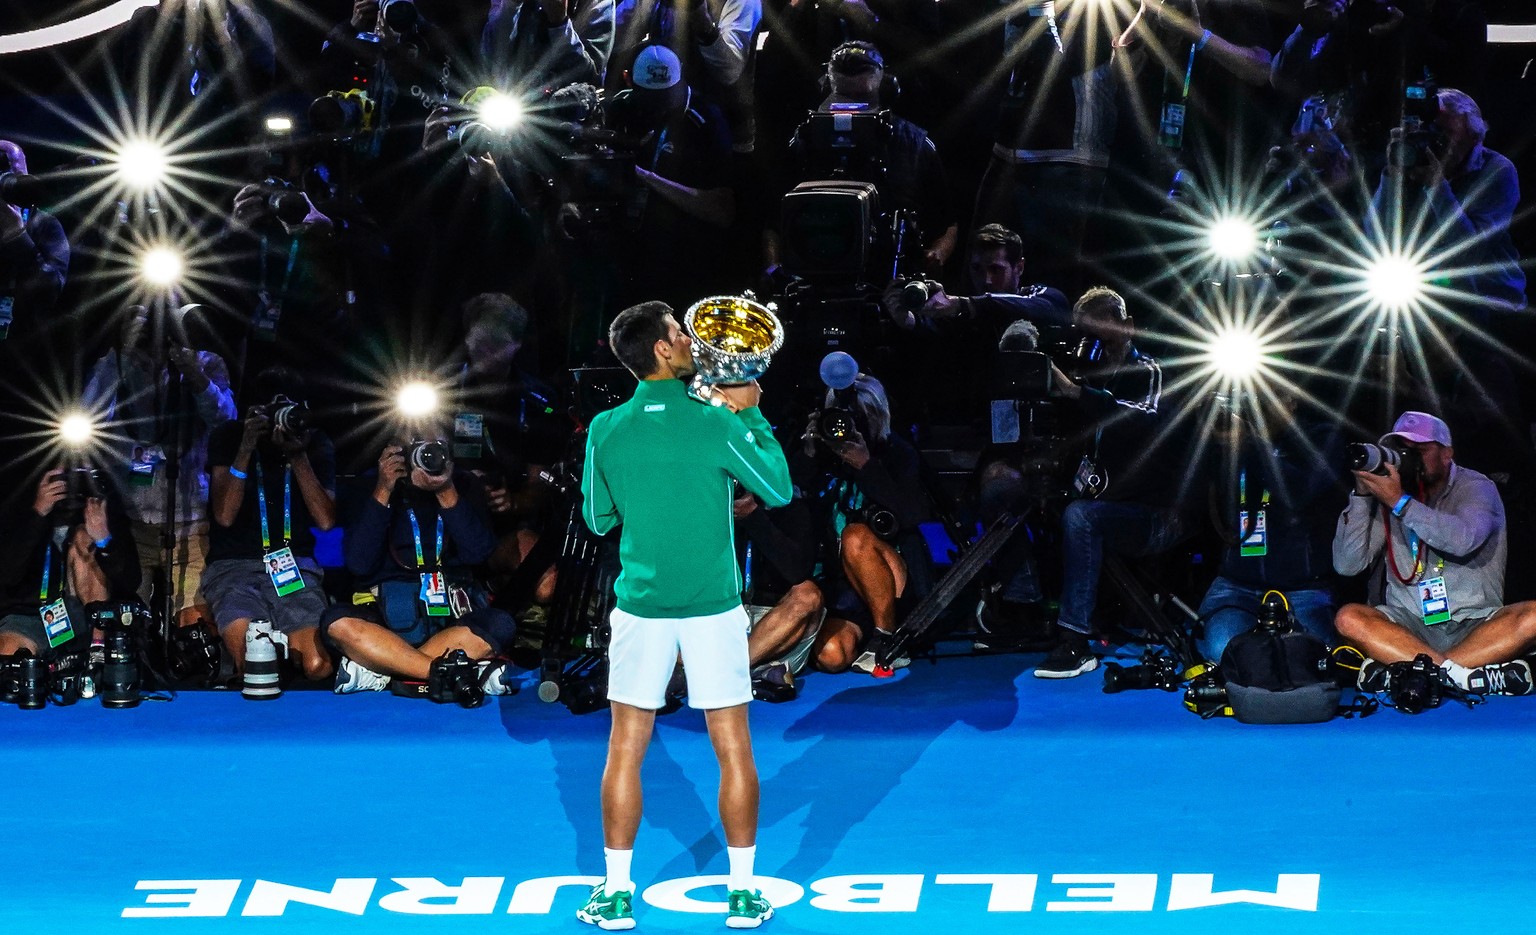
{"points": [[1445, 541], [571, 43], [34, 253]]}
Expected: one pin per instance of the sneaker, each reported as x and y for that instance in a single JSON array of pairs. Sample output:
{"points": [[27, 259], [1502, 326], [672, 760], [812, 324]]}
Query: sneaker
{"points": [[353, 677], [496, 678], [610, 913], [1069, 659], [748, 909], [866, 661], [1374, 676], [1508, 678]]}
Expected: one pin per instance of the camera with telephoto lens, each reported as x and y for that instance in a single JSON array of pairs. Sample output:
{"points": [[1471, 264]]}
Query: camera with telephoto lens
{"points": [[1155, 671], [24, 681], [455, 678], [281, 200], [881, 522], [1374, 459], [292, 417], [81, 483], [432, 457], [343, 114], [836, 423], [120, 623], [1415, 686], [1206, 695], [1419, 140]]}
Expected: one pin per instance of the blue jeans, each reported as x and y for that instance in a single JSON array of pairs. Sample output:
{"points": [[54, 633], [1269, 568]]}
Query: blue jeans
{"points": [[1230, 608], [1088, 529]]}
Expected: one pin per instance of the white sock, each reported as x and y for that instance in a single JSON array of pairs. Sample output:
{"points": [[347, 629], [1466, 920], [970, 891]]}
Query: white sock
{"points": [[1457, 672], [617, 880], [741, 867]]}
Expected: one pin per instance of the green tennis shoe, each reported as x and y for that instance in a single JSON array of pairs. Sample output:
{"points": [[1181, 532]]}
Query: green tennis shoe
{"points": [[747, 909], [610, 913]]}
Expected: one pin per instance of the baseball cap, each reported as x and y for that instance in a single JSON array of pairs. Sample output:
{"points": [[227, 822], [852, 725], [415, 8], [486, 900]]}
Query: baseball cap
{"points": [[1419, 427], [656, 68], [856, 58]]}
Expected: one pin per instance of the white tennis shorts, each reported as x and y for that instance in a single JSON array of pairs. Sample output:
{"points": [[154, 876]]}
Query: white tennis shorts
{"points": [[644, 650]]}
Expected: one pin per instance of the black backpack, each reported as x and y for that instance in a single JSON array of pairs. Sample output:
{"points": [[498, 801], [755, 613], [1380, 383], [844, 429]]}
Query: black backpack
{"points": [[1279, 675]]}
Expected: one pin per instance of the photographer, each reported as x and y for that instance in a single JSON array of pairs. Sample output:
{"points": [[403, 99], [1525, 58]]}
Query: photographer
{"points": [[151, 412], [1442, 528], [1126, 502], [776, 550], [412, 544], [869, 494], [34, 259], [534, 44], [1465, 195], [1271, 502], [256, 467], [70, 548]]}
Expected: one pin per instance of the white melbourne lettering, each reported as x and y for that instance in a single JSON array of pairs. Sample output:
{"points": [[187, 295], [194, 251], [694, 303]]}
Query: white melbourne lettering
{"points": [[891, 892]]}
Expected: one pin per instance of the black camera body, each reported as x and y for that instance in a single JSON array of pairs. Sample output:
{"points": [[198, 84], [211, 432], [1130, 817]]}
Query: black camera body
{"points": [[292, 417], [881, 522], [1421, 140], [433, 457], [1374, 458], [120, 623], [455, 678], [1154, 671], [81, 483], [1416, 686], [282, 201], [24, 681], [836, 423]]}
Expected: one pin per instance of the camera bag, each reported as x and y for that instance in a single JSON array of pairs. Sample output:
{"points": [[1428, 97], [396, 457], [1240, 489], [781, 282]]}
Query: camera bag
{"points": [[1279, 676]]}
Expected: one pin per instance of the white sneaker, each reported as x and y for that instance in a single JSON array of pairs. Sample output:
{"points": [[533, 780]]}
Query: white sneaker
{"points": [[353, 677], [496, 678], [866, 660]]}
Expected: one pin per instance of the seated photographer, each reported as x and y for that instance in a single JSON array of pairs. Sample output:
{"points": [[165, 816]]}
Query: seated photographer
{"points": [[412, 545], [1442, 528], [1126, 502], [1272, 502], [776, 549], [1463, 196], [72, 547], [868, 493], [125, 386], [272, 481]]}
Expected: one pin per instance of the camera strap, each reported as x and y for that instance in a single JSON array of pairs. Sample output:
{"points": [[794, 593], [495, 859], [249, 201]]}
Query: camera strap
{"points": [[434, 593], [437, 554], [1170, 131], [261, 507], [293, 259]]}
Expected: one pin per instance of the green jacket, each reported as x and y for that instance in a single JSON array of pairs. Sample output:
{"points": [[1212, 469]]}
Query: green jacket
{"points": [[662, 465]]}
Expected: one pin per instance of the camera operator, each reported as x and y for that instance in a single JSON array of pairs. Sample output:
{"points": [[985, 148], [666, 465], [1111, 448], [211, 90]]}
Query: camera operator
{"points": [[1465, 195], [412, 544], [913, 178], [147, 420], [34, 259], [57, 557], [1442, 528], [547, 43], [776, 550], [256, 467], [1126, 505], [994, 270], [1050, 155], [1272, 505], [869, 495], [507, 431]]}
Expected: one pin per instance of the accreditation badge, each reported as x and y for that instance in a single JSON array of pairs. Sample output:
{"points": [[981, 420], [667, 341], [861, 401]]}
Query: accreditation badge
{"points": [[468, 435], [1434, 600], [1255, 542], [283, 569], [434, 594], [56, 623]]}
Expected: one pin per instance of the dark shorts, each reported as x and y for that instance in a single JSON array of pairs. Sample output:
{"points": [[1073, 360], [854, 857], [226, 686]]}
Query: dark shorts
{"points": [[404, 618], [240, 589], [1440, 637], [30, 626]]}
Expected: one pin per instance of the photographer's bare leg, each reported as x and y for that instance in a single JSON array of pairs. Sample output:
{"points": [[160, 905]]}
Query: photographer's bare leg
{"points": [[731, 736], [876, 571], [623, 800], [783, 627], [313, 658], [837, 645], [382, 650], [1507, 635], [11, 643], [1375, 634]]}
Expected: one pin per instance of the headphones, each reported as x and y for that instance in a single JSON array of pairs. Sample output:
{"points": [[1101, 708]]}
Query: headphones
{"points": [[890, 85]]}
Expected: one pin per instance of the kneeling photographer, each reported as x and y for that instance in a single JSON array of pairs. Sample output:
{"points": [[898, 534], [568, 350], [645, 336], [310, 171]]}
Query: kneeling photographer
{"points": [[420, 614], [868, 493], [271, 482], [1272, 504], [1442, 528], [73, 547]]}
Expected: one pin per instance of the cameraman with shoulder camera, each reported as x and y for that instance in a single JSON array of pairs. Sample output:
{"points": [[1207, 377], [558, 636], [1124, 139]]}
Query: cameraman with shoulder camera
{"points": [[412, 545], [1442, 179], [1126, 502], [256, 467], [72, 547], [868, 492], [1442, 528]]}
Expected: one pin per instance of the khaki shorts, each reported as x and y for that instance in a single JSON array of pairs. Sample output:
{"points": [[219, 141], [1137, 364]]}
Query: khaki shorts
{"points": [[189, 559]]}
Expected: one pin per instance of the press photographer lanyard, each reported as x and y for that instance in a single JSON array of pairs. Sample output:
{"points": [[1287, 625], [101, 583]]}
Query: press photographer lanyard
{"points": [[261, 504], [42, 590], [1170, 132], [293, 259], [1417, 549], [437, 555]]}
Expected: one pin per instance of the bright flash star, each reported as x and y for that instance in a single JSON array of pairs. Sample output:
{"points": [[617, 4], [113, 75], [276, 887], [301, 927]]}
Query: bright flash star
{"points": [[76, 430], [1236, 354], [416, 399], [1233, 239], [500, 112], [142, 165], [161, 266], [1394, 282]]}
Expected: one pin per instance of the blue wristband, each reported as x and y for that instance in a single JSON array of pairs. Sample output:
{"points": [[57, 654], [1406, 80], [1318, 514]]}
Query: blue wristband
{"points": [[237, 473], [1203, 41], [103, 543], [1401, 505]]}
